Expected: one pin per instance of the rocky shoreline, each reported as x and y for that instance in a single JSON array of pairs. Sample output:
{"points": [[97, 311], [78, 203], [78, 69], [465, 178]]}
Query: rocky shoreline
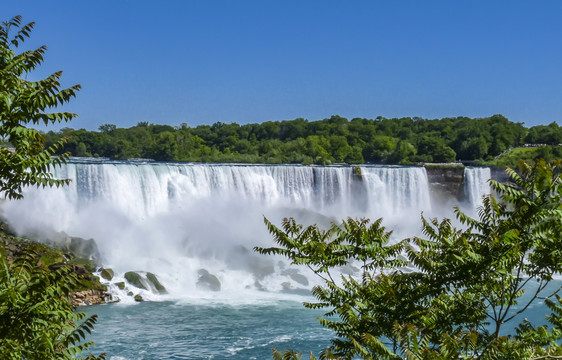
{"points": [[83, 258], [89, 297], [78, 253]]}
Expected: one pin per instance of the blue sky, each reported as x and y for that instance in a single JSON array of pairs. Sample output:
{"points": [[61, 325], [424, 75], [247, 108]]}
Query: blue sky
{"points": [[199, 62]]}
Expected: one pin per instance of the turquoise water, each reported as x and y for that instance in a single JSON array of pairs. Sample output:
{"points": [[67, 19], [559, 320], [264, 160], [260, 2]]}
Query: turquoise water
{"points": [[168, 330], [207, 330]]}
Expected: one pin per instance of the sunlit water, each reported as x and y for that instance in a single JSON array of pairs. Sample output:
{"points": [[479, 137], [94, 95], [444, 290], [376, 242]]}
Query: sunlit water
{"points": [[168, 330]]}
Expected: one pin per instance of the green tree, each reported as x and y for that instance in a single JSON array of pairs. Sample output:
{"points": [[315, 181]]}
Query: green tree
{"points": [[24, 102], [37, 319], [468, 284], [165, 147]]}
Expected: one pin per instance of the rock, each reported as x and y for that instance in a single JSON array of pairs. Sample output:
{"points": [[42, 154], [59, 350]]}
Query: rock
{"points": [[120, 285], [296, 276], [130, 293], [445, 182], [135, 279], [208, 281], [349, 269], [356, 170], [90, 265], [286, 285], [88, 297], [107, 274], [157, 285], [259, 286], [261, 268], [138, 298], [83, 248], [79, 269], [301, 279]]}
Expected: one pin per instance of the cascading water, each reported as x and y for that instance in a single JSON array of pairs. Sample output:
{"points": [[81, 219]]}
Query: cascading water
{"points": [[476, 184], [179, 220]]}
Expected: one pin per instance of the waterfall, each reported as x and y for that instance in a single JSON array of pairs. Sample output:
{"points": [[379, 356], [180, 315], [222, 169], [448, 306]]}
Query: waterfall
{"points": [[176, 220], [476, 184], [393, 190]]}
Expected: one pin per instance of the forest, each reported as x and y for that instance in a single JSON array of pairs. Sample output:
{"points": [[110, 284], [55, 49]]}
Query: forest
{"points": [[329, 141]]}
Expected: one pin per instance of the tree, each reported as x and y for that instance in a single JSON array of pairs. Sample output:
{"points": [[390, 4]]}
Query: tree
{"points": [[24, 102], [107, 128], [468, 284], [37, 319]]}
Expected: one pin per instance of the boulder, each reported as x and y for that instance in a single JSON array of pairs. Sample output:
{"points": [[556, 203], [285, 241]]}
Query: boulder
{"points": [[349, 269], [82, 248], [295, 276], [261, 268], [135, 279], [156, 284], [208, 281], [120, 285], [107, 274], [259, 286], [299, 278], [138, 298]]}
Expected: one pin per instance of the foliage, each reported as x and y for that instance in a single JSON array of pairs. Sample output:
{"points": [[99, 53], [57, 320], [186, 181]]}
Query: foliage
{"points": [[332, 140], [24, 102], [528, 154], [467, 286], [37, 318]]}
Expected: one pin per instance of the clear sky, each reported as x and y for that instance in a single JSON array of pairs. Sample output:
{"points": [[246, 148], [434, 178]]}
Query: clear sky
{"points": [[200, 62]]}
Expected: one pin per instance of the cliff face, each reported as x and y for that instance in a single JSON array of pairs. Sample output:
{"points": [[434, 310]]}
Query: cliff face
{"points": [[446, 184], [49, 257], [499, 174]]}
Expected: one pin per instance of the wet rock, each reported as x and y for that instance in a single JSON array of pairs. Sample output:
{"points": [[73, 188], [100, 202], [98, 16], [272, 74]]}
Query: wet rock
{"points": [[208, 281], [79, 269], [138, 298], [120, 285], [261, 268], [446, 182], [296, 276], [349, 269], [299, 278], [156, 284], [259, 286], [107, 274], [135, 279], [82, 248]]}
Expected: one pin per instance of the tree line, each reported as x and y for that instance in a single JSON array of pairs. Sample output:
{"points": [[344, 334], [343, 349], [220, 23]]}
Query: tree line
{"points": [[328, 141]]}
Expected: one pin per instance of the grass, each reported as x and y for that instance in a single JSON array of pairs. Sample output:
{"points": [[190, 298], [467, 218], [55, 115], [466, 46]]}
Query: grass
{"points": [[529, 154]]}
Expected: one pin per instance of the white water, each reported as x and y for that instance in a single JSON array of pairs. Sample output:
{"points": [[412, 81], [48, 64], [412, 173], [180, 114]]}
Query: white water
{"points": [[175, 219], [476, 184]]}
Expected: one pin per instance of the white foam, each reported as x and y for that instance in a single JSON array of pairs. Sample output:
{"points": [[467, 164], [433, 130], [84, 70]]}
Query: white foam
{"points": [[175, 219]]}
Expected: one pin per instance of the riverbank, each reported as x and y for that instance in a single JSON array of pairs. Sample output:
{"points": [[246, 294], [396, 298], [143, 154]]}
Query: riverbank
{"points": [[72, 251]]}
